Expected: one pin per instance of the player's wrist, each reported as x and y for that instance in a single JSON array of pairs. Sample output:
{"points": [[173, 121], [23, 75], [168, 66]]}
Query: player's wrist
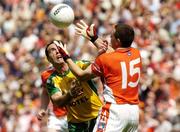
{"points": [[93, 39], [96, 41], [66, 57]]}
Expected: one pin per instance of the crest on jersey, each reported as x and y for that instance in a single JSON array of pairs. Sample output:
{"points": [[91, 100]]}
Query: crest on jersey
{"points": [[129, 53]]}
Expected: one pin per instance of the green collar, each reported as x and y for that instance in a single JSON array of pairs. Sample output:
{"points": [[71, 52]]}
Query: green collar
{"points": [[63, 74]]}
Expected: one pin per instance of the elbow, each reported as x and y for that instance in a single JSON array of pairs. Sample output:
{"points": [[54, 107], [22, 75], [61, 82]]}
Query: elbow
{"points": [[57, 100], [61, 100], [59, 104]]}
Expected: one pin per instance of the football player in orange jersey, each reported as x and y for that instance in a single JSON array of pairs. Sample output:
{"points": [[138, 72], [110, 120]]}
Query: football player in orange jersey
{"points": [[57, 118], [120, 70]]}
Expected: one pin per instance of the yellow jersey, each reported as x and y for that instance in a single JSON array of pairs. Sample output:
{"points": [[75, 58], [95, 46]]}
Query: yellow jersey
{"points": [[82, 108]]}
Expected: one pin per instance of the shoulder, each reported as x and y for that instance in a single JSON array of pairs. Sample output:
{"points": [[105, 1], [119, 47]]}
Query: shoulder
{"points": [[135, 49], [52, 80], [47, 73], [104, 56]]}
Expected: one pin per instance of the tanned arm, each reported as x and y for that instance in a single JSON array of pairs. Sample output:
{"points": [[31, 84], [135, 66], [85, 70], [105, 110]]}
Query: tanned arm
{"points": [[78, 72]]}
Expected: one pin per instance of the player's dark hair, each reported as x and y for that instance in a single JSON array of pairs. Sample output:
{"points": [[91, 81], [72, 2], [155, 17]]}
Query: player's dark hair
{"points": [[125, 34], [52, 42], [46, 51]]}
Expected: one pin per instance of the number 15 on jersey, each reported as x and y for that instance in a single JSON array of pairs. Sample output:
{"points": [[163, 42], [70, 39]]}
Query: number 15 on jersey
{"points": [[132, 71]]}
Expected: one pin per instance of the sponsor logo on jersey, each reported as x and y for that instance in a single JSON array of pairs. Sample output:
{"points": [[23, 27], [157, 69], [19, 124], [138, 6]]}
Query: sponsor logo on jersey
{"points": [[83, 99]]}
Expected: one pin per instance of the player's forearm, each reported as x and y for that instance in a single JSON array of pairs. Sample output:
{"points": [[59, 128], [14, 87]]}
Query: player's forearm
{"points": [[98, 42], [44, 100], [78, 72], [61, 100], [82, 75]]}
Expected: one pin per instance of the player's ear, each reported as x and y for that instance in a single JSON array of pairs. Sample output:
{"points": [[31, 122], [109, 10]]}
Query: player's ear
{"points": [[118, 42]]}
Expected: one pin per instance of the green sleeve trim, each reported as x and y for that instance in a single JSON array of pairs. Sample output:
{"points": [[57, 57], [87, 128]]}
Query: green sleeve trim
{"points": [[92, 86], [86, 62], [52, 90], [50, 85], [83, 64]]}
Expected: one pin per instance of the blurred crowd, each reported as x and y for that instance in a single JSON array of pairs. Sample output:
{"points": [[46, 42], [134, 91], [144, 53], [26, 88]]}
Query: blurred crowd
{"points": [[25, 29]]}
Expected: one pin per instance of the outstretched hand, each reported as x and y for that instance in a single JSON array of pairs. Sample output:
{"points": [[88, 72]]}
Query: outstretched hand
{"points": [[86, 31], [90, 33], [102, 47], [41, 114]]}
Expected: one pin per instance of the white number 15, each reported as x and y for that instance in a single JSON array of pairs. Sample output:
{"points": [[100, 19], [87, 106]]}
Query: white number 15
{"points": [[132, 71]]}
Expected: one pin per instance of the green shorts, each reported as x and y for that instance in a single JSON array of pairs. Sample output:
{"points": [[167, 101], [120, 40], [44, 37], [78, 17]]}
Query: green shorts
{"points": [[82, 127]]}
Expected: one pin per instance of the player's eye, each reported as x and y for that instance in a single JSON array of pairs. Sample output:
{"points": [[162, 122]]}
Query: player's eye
{"points": [[52, 50]]}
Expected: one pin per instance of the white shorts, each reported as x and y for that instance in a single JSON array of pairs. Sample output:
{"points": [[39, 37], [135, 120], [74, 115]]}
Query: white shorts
{"points": [[117, 118], [58, 123]]}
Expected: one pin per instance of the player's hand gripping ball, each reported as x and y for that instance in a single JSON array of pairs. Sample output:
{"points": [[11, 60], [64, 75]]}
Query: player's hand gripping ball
{"points": [[61, 15]]}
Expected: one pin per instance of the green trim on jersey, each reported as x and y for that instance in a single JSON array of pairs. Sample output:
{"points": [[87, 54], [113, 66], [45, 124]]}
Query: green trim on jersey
{"points": [[86, 62], [83, 64], [50, 85], [92, 86], [65, 73]]}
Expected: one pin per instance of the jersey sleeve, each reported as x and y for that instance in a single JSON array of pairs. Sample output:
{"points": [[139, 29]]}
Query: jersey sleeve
{"points": [[96, 67], [51, 87], [43, 79], [45, 75]]}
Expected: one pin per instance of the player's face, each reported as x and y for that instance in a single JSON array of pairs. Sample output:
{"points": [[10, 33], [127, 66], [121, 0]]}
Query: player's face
{"points": [[54, 55]]}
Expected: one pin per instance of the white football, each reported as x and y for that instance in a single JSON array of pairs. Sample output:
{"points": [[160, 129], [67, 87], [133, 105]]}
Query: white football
{"points": [[61, 15]]}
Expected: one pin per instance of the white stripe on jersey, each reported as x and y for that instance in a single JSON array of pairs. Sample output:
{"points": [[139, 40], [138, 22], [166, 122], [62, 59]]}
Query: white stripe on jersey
{"points": [[108, 95], [117, 118]]}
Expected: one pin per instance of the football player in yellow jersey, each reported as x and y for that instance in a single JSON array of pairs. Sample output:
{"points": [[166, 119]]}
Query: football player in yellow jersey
{"points": [[64, 89]]}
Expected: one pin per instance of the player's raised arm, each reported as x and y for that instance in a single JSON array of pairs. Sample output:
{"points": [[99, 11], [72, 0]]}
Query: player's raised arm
{"points": [[90, 33], [81, 74]]}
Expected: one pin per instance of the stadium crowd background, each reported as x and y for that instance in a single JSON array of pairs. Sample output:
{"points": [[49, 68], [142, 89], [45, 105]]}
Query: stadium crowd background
{"points": [[25, 29]]}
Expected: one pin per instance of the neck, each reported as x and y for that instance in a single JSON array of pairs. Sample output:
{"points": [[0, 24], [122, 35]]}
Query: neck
{"points": [[122, 48], [61, 69]]}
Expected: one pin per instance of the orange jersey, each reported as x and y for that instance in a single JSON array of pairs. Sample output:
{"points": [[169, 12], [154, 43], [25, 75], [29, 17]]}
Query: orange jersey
{"points": [[120, 71], [44, 76]]}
